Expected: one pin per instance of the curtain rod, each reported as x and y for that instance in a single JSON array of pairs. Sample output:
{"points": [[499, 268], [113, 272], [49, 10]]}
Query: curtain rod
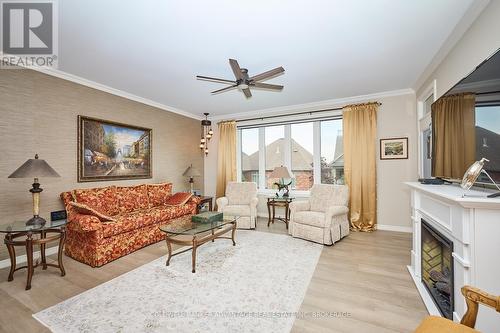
{"points": [[297, 113]]}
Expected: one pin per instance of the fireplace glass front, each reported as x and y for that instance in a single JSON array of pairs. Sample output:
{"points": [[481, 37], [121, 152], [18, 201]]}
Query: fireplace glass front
{"points": [[437, 268]]}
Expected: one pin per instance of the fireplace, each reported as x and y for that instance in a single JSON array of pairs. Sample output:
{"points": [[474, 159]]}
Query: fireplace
{"points": [[437, 268]]}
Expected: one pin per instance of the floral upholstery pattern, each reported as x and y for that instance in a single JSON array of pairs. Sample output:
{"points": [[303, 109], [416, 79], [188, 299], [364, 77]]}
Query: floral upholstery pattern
{"points": [[132, 198], [158, 193], [103, 200], [178, 199], [96, 243], [84, 209]]}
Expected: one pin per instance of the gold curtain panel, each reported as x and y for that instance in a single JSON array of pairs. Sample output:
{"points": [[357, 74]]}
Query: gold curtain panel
{"points": [[453, 135], [360, 133], [226, 164]]}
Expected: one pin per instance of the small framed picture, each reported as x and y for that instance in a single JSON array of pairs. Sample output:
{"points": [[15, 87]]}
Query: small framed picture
{"points": [[394, 149]]}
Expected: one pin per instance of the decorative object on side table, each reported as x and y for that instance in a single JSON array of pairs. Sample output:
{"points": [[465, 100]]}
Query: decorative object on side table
{"points": [[109, 150], [16, 230], [273, 202], [394, 149], [191, 172], [282, 173], [473, 173], [34, 168]]}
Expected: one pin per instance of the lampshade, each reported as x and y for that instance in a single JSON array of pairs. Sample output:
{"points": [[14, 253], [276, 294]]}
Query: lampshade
{"points": [[34, 168], [191, 171], [280, 172]]}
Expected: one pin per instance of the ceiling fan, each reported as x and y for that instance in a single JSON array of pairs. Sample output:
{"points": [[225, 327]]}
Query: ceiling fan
{"points": [[243, 81]]}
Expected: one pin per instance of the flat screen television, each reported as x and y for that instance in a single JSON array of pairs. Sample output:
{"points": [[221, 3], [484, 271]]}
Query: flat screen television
{"points": [[484, 84]]}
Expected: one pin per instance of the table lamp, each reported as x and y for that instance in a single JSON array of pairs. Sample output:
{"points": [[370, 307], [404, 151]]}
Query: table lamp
{"points": [[191, 172], [35, 167], [473, 172], [282, 172]]}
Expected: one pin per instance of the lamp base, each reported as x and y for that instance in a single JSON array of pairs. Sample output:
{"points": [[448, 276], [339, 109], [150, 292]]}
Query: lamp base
{"points": [[36, 220]]}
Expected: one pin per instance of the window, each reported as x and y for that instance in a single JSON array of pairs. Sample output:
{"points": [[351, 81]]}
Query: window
{"points": [[302, 156], [332, 152], [488, 141], [312, 151], [250, 155], [275, 151]]}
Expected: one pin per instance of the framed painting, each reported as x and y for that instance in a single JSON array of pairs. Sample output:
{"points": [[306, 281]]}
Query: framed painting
{"points": [[394, 149], [112, 151]]}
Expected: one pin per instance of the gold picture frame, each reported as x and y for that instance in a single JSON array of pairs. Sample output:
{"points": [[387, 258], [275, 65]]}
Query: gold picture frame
{"points": [[109, 150]]}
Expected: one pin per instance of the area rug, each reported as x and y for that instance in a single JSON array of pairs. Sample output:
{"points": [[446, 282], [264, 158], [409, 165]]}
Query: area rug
{"points": [[256, 286]]}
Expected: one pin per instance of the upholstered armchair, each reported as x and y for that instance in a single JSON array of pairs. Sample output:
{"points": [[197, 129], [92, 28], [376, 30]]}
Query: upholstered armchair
{"points": [[240, 200], [322, 218]]}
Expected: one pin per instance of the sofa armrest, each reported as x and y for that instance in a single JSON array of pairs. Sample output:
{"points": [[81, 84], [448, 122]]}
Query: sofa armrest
{"points": [[299, 206], [254, 202], [194, 199], [84, 223], [221, 203]]}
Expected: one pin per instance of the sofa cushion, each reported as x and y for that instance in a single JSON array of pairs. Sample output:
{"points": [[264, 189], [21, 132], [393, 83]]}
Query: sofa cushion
{"points": [[179, 198], [315, 219], [80, 208], [158, 193], [164, 213], [132, 198], [127, 222], [237, 210], [102, 199]]}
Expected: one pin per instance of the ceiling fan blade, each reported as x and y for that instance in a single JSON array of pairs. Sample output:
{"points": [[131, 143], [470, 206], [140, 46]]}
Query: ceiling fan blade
{"points": [[236, 69], [268, 74], [247, 93], [224, 89], [267, 86], [214, 79]]}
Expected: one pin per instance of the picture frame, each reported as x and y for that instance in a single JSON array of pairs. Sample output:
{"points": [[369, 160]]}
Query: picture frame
{"points": [[109, 150], [394, 148]]}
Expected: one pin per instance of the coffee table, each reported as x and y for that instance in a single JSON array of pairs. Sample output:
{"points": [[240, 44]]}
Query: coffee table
{"points": [[194, 234]]}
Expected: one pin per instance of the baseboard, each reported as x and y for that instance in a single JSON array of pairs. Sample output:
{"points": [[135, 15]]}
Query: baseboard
{"points": [[398, 228], [22, 259]]}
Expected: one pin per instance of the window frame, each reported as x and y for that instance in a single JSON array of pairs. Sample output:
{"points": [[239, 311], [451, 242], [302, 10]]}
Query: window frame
{"points": [[288, 150]]}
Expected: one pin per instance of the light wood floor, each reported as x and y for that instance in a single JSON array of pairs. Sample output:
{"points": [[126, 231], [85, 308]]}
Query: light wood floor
{"points": [[360, 283]]}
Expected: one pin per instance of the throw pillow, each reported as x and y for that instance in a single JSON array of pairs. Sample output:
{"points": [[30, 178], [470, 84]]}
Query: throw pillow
{"points": [[178, 199], [87, 210]]}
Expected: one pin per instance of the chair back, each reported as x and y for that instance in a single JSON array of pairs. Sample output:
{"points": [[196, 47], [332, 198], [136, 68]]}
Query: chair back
{"points": [[240, 193], [325, 195]]}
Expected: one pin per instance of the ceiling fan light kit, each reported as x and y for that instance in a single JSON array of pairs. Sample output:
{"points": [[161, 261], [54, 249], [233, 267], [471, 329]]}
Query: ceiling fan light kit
{"points": [[244, 82]]}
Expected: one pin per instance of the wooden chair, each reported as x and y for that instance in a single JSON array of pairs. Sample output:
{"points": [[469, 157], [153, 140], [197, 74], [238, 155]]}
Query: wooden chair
{"points": [[473, 296]]}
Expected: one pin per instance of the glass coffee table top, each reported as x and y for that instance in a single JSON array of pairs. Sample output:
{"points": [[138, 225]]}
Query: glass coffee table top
{"points": [[275, 198], [188, 227], [20, 226]]}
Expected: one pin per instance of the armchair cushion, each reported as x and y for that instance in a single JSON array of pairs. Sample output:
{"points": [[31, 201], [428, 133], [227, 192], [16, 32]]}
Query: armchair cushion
{"points": [[315, 219], [240, 193], [237, 210], [433, 324]]}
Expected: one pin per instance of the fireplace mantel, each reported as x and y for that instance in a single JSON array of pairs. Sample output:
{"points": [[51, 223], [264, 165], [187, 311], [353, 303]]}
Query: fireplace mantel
{"points": [[472, 223]]}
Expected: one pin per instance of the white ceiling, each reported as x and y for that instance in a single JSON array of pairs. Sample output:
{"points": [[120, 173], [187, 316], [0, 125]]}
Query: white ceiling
{"points": [[329, 49]]}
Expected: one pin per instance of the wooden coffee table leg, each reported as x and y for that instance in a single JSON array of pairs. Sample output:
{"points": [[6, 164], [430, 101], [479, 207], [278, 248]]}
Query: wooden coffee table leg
{"points": [[29, 255], [169, 246], [12, 255], [232, 234], [213, 239], [60, 251], [194, 255]]}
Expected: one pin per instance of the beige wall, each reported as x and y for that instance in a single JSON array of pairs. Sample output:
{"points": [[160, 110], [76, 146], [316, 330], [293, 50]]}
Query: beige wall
{"points": [[38, 114], [396, 118], [478, 43]]}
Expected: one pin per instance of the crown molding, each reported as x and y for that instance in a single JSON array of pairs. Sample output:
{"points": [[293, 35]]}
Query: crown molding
{"points": [[330, 103], [101, 87], [472, 13]]}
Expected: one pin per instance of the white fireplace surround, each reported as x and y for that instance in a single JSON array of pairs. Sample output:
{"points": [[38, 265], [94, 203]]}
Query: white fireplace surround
{"points": [[472, 223]]}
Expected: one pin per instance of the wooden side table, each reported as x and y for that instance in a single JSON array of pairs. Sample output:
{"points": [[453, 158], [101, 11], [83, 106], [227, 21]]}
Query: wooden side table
{"points": [[273, 202], [14, 231], [204, 200]]}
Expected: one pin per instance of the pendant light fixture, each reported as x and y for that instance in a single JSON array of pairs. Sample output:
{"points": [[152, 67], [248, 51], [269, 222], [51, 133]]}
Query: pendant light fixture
{"points": [[206, 134]]}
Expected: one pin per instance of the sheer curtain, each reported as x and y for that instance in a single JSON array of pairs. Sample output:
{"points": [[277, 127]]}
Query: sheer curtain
{"points": [[360, 133], [453, 135], [226, 163]]}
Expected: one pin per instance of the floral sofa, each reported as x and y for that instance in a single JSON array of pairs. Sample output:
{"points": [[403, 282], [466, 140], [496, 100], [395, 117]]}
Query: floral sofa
{"points": [[107, 223]]}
